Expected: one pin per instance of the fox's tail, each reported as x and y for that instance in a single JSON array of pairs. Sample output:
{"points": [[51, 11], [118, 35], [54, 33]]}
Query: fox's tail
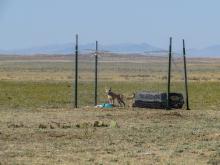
{"points": [[131, 97]]}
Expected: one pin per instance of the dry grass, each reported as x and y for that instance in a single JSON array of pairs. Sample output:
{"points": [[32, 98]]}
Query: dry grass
{"points": [[53, 136], [37, 125], [117, 68]]}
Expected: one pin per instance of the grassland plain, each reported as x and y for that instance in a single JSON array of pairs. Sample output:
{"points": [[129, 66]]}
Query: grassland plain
{"points": [[67, 136], [39, 126], [13, 94]]}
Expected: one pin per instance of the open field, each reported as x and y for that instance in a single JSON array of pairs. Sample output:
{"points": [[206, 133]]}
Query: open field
{"points": [[67, 136], [39, 126], [122, 68], [29, 95]]}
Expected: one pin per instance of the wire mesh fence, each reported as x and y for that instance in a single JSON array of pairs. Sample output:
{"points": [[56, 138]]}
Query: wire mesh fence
{"points": [[123, 73], [49, 81]]}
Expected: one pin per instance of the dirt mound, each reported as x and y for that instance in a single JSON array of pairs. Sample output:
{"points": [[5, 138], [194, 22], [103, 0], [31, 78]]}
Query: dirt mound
{"points": [[54, 125], [112, 124], [16, 125]]}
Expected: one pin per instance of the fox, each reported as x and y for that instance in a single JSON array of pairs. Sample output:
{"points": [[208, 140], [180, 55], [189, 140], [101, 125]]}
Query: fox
{"points": [[113, 96]]}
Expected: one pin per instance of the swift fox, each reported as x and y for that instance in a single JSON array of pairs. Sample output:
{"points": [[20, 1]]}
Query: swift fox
{"points": [[113, 96]]}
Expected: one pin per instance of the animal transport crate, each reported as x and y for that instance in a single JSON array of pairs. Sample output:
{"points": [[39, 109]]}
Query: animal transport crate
{"points": [[155, 100]]}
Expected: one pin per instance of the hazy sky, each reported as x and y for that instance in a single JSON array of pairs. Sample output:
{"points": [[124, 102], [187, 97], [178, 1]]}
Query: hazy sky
{"points": [[28, 23]]}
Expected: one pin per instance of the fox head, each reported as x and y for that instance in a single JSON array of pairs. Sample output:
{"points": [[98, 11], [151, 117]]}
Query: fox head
{"points": [[108, 90]]}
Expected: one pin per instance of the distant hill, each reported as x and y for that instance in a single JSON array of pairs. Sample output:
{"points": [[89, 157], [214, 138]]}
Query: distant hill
{"points": [[126, 48], [131, 48], [69, 48]]}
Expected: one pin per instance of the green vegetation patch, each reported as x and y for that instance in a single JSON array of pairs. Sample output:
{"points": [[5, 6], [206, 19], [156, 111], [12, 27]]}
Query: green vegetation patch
{"points": [[202, 95]]}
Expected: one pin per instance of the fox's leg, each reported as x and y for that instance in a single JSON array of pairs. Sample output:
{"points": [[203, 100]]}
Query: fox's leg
{"points": [[121, 101], [113, 102]]}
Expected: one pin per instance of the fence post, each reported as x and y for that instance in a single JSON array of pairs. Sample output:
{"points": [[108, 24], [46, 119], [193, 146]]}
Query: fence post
{"points": [[169, 75], [76, 72], [185, 74], [96, 73]]}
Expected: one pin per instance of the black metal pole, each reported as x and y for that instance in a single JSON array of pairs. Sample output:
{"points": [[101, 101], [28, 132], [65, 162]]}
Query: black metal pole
{"points": [[169, 74], [76, 72], [185, 74], [96, 73]]}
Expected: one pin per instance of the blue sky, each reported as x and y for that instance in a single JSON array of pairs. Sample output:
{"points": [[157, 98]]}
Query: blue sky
{"points": [[30, 23]]}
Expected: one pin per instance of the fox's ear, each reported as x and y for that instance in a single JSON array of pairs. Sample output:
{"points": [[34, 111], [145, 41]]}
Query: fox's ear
{"points": [[110, 88]]}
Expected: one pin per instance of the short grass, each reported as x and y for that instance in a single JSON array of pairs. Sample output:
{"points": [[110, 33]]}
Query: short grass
{"points": [[38, 124], [68, 136], [202, 96], [116, 68]]}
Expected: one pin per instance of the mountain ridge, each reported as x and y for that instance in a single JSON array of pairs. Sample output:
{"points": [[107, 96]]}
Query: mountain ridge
{"points": [[69, 48], [126, 48]]}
